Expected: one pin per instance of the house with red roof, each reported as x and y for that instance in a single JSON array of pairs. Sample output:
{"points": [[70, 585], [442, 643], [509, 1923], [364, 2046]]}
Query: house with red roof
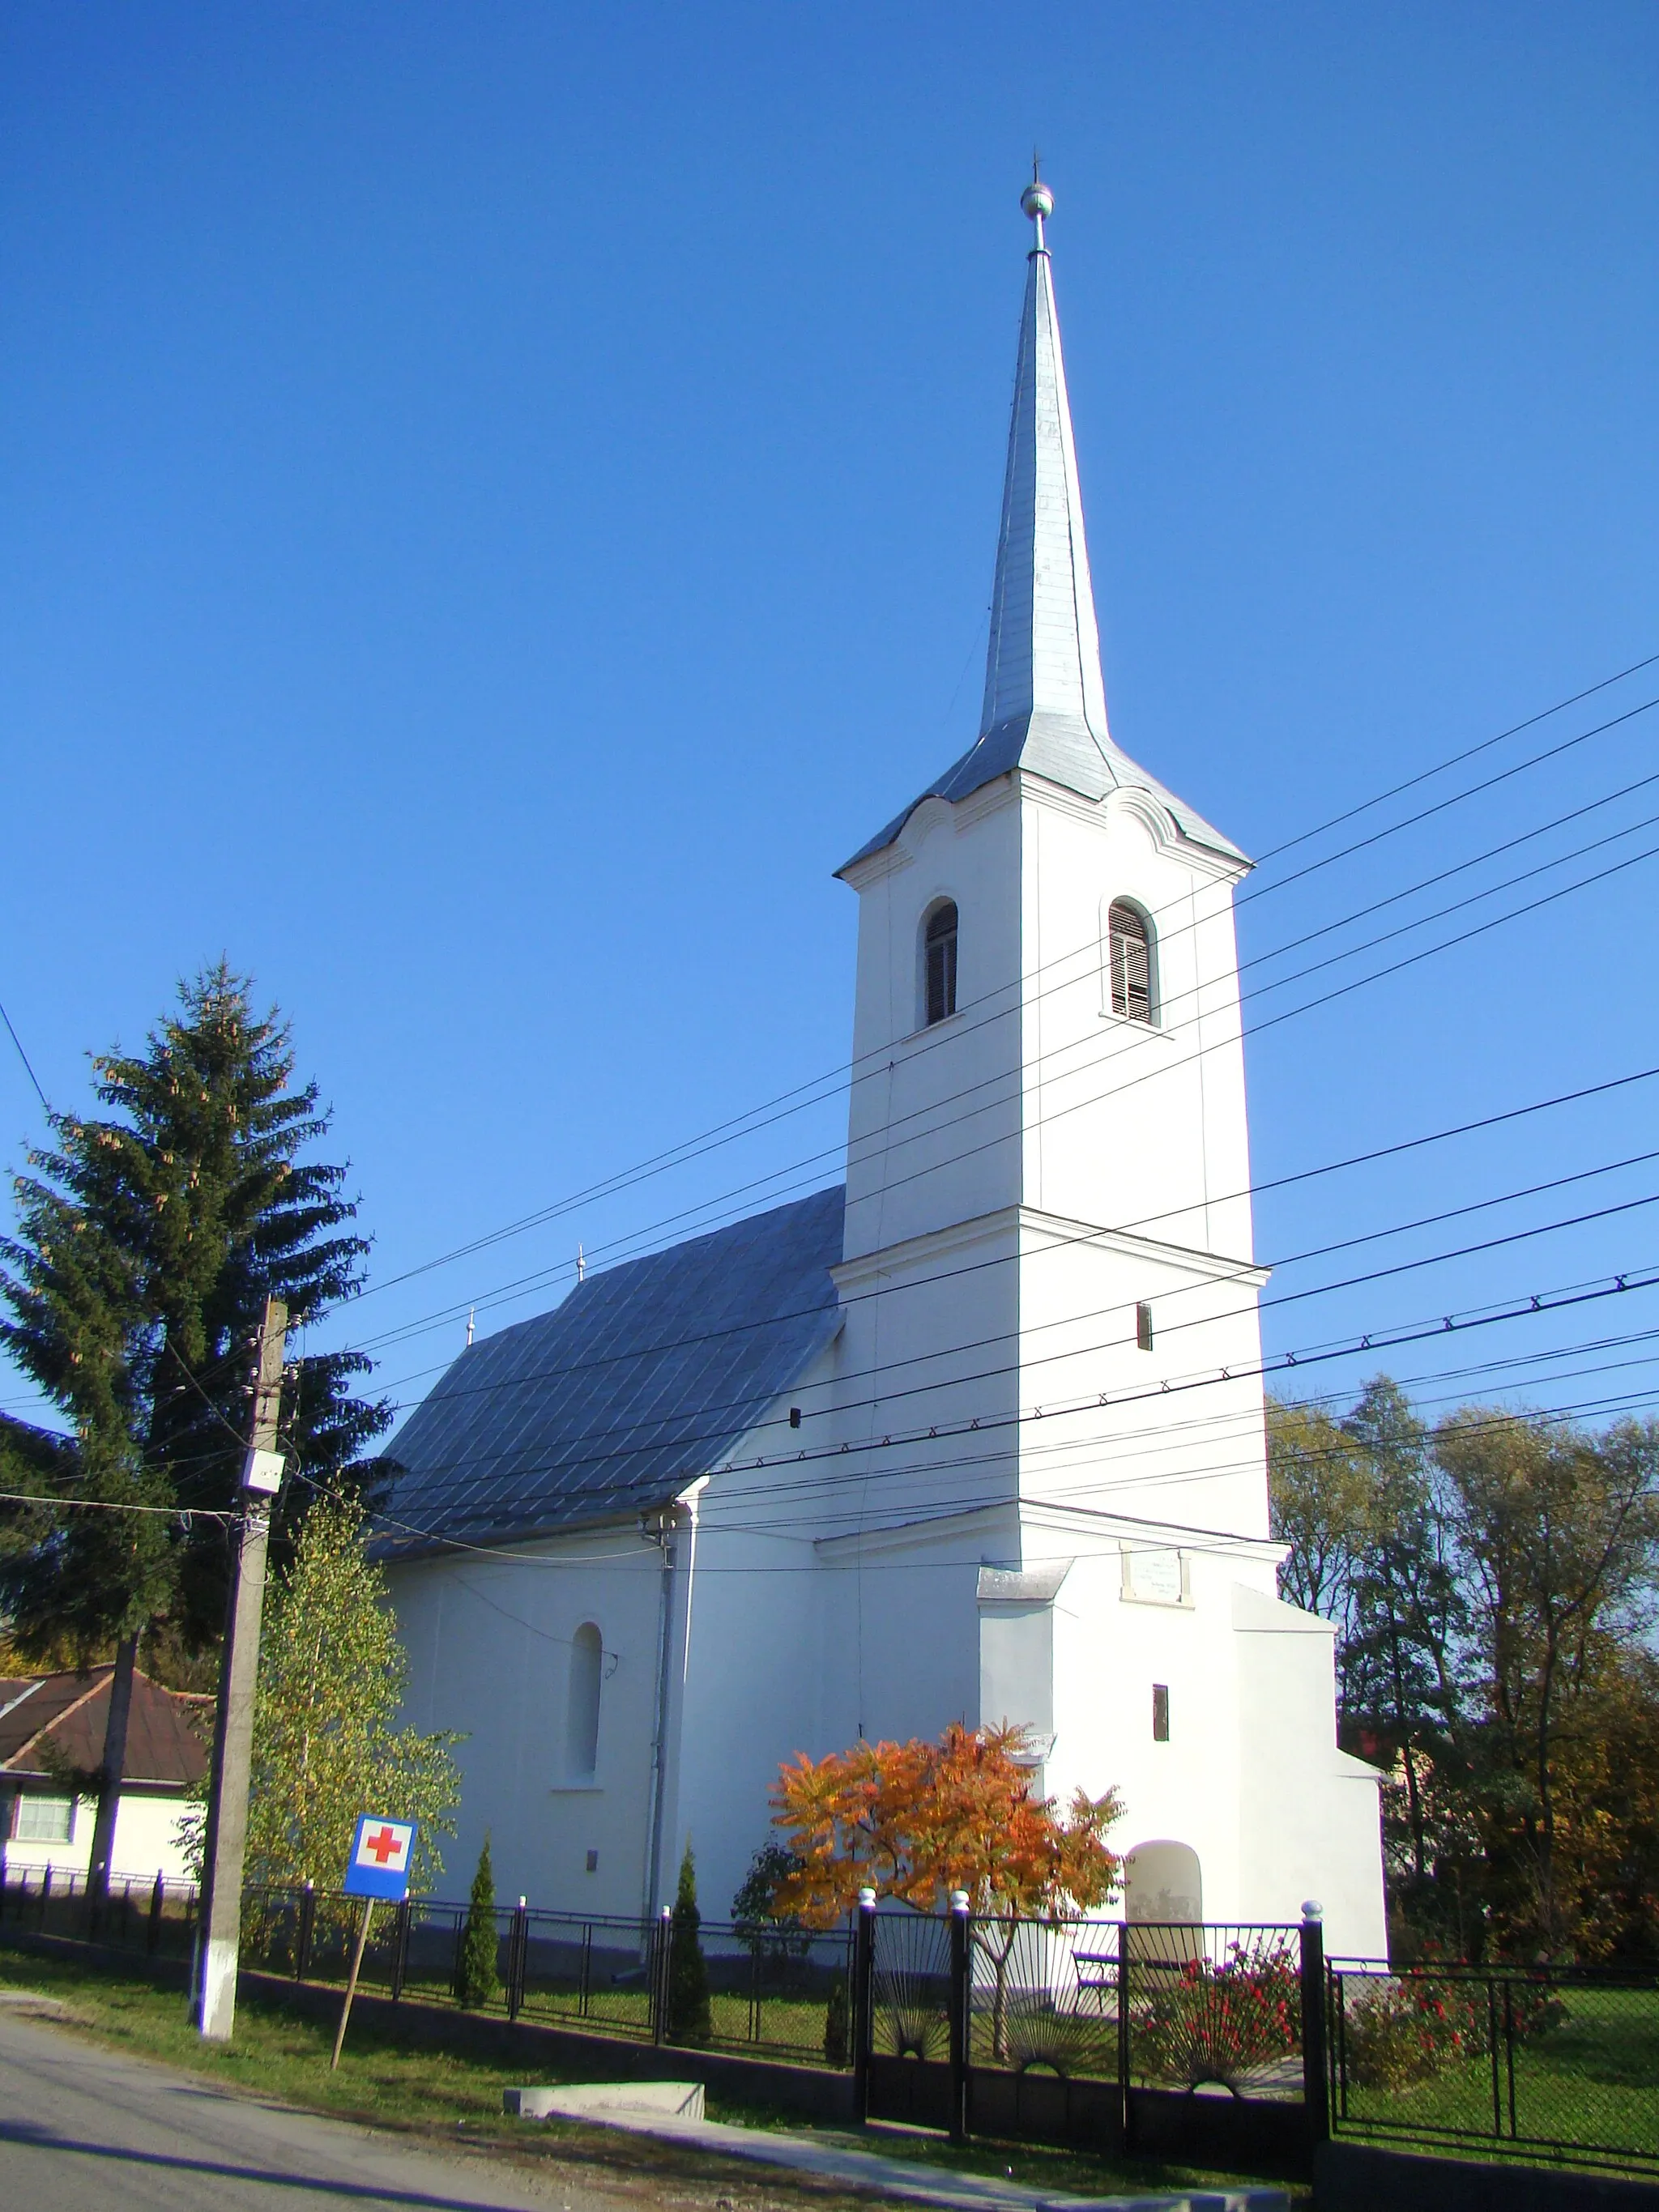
{"points": [[51, 1740]]}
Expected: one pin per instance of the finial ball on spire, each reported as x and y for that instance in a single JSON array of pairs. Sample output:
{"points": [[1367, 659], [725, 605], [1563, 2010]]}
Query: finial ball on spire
{"points": [[1037, 200]]}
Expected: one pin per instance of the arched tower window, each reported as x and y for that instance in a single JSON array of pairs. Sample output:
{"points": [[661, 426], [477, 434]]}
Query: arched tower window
{"points": [[582, 1734], [939, 953], [1129, 958]]}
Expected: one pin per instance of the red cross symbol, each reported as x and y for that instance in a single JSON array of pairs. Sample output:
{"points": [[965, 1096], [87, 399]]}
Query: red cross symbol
{"points": [[384, 1847]]}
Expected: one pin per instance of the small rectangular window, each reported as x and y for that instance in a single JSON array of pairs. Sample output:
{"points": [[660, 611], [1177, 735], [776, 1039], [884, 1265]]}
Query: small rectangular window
{"points": [[1160, 1712], [1142, 1326], [44, 1820]]}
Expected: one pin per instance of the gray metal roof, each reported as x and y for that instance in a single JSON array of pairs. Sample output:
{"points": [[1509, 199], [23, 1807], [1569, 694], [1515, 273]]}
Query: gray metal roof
{"points": [[643, 1380], [1045, 700]]}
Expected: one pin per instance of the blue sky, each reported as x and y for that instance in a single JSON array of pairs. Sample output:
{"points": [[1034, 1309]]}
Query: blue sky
{"points": [[499, 502]]}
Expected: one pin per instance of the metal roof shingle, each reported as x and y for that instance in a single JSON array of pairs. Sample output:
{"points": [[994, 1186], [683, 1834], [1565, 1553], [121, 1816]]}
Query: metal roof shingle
{"points": [[639, 1381]]}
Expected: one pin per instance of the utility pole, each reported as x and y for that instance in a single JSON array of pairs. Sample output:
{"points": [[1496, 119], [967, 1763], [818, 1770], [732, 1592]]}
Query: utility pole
{"points": [[220, 1928]]}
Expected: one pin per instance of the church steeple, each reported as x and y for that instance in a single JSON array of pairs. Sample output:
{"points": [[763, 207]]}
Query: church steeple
{"points": [[1045, 703], [1044, 653]]}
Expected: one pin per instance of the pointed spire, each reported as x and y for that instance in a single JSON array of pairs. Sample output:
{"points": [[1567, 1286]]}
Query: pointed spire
{"points": [[1045, 703], [1044, 654]]}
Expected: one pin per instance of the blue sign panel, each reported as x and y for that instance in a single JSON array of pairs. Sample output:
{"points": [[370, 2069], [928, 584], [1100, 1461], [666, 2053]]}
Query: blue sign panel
{"points": [[380, 1853]]}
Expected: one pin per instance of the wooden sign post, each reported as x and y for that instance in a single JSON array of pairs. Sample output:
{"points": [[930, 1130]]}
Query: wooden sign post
{"points": [[378, 1869]]}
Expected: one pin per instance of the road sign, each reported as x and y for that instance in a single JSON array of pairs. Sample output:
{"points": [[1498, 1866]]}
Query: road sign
{"points": [[380, 1853]]}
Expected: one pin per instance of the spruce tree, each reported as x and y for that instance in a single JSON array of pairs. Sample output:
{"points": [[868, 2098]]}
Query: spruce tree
{"points": [[148, 1237], [688, 2020], [476, 1980]]}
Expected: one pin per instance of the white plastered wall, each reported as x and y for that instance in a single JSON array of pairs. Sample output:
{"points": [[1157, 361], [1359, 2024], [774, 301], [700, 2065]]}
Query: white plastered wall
{"points": [[146, 1841]]}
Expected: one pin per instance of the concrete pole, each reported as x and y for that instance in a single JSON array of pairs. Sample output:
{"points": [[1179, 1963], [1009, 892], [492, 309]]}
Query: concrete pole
{"points": [[220, 1929]]}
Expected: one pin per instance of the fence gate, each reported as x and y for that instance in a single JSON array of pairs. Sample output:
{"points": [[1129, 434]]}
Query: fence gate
{"points": [[1178, 2041]]}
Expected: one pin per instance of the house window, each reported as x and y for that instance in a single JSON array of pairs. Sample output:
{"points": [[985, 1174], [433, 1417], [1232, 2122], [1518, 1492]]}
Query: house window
{"points": [[582, 1734], [44, 1820], [1142, 1326], [1160, 1712], [1129, 958], [939, 963]]}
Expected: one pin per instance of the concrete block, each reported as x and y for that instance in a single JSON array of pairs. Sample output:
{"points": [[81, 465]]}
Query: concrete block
{"points": [[598, 2101]]}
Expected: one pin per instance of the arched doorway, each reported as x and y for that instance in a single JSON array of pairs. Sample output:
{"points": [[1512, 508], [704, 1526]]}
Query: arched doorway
{"points": [[1162, 1883]]}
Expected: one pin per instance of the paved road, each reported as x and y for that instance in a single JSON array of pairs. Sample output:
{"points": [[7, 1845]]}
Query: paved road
{"points": [[84, 2130]]}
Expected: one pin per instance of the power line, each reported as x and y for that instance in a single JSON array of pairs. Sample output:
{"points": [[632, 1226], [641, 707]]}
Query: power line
{"points": [[1372, 1340], [1070, 1320], [1456, 760], [932, 1130], [1145, 1221], [27, 1064], [733, 1129]]}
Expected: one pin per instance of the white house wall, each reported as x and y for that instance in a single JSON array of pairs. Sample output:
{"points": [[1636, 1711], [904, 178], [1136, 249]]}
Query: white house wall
{"points": [[146, 1841]]}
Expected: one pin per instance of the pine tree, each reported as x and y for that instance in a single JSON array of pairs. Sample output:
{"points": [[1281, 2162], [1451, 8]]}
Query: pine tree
{"points": [[476, 1980], [688, 2020], [147, 1239]]}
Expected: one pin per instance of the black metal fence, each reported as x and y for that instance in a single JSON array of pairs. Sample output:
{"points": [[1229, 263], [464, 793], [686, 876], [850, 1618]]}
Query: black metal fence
{"points": [[157, 1918], [1170, 2038], [1233, 2043], [780, 1993], [1557, 2064]]}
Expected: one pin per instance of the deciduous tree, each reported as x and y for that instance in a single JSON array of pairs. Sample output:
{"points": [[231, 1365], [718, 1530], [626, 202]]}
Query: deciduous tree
{"points": [[1558, 1533], [916, 1820], [326, 1742]]}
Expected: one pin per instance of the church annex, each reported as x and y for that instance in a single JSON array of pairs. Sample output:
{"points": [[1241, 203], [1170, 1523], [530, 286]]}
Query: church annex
{"points": [[978, 1435]]}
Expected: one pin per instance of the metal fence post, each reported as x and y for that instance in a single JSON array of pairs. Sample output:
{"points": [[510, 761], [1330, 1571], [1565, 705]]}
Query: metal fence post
{"points": [[962, 1995], [518, 1947], [158, 1896], [308, 1934], [862, 1995], [1509, 2048], [662, 1940], [399, 1949], [1315, 2096], [1126, 2106], [585, 1985]]}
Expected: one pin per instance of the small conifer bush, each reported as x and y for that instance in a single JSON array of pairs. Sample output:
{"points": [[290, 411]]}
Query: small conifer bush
{"points": [[476, 1982], [688, 2020]]}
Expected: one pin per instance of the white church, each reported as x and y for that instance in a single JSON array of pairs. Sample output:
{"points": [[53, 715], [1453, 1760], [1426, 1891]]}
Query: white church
{"points": [[977, 1436]]}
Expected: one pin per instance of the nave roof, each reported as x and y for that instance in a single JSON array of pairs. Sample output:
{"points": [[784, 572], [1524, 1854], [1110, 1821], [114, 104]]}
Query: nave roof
{"points": [[644, 1379]]}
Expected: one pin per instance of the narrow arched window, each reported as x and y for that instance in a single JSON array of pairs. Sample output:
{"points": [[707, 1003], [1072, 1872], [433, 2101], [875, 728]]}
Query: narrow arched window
{"points": [[1129, 955], [581, 1735], [939, 962]]}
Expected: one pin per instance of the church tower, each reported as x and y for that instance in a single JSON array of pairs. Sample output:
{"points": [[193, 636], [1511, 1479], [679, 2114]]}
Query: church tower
{"points": [[1051, 1354], [979, 1439]]}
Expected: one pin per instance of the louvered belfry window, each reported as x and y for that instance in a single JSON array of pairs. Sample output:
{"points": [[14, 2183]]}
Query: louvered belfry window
{"points": [[1131, 957], [940, 951]]}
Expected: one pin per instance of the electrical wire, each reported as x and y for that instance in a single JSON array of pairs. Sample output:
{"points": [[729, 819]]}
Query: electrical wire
{"points": [[680, 1154], [958, 1380], [1630, 1281], [509, 1293]]}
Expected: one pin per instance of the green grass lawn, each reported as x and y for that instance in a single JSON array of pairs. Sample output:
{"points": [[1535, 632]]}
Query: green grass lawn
{"points": [[1591, 2082], [443, 2097]]}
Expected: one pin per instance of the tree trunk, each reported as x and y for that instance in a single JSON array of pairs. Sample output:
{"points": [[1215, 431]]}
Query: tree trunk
{"points": [[110, 1772]]}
